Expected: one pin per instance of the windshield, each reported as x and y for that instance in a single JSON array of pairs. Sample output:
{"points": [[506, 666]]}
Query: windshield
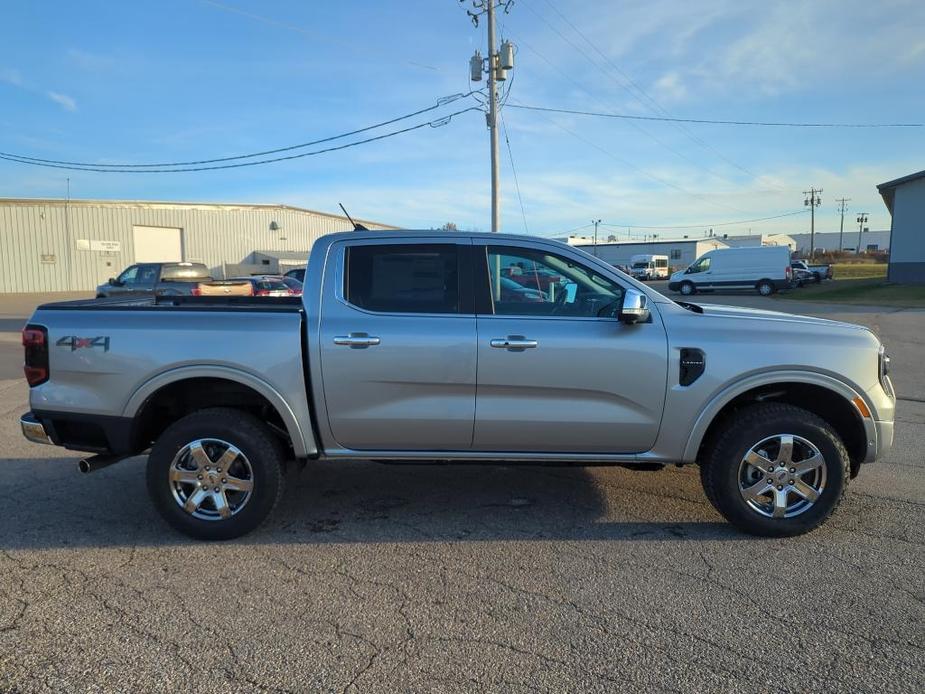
{"points": [[641, 266]]}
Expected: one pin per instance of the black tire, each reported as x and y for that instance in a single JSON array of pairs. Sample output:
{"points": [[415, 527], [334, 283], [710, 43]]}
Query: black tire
{"points": [[263, 451], [687, 288], [817, 278], [720, 471], [765, 287]]}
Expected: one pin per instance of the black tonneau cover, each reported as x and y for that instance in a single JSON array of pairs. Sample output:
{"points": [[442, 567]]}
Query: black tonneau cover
{"points": [[187, 303]]}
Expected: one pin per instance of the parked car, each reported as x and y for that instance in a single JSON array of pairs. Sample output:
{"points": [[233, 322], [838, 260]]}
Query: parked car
{"points": [[161, 279], [530, 276], [295, 286], [401, 350], [512, 291], [266, 285], [298, 274], [766, 269], [816, 272], [649, 267], [801, 277]]}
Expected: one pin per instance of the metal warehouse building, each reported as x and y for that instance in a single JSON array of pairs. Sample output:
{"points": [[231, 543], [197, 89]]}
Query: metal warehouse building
{"points": [[73, 245], [680, 252], [905, 199]]}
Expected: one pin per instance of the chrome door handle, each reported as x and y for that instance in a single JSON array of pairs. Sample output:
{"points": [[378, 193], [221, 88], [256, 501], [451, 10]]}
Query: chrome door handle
{"points": [[356, 340], [513, 343]]}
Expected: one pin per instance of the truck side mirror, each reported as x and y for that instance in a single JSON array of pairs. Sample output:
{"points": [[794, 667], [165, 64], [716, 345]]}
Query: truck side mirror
{"points": [[114, 282], [635, 307]]}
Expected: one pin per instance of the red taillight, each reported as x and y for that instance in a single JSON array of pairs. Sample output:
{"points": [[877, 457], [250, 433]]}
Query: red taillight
{"points": [[35, 364], [789, 271], [197, 291]]}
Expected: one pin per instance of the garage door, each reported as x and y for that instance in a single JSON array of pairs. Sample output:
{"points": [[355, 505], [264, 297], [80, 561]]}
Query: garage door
{"points": [[158, 244]]}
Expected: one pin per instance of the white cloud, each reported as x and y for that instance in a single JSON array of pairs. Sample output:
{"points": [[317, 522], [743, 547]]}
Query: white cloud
{"points": [[670, 88], [66, 102], [10, 76]]}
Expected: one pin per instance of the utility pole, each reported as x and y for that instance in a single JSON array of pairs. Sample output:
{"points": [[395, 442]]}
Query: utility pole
{"points": [[812, 202], [595, 222], [862, 220], [493, 122], [496, 65], [842, 202]]}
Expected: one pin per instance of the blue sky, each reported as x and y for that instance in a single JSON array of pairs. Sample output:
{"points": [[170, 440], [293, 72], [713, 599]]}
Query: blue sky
{"points": [[187, 79]]}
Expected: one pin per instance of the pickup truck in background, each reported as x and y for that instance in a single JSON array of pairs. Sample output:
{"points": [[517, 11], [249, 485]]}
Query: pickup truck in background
{"points": [[817, 272], [412, 346], [159, 279]]}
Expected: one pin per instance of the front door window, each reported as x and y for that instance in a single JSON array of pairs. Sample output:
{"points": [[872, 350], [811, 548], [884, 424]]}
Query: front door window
{"points": [[524, 282]]}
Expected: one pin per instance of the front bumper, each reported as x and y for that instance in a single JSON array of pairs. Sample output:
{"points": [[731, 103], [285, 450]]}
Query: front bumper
{"points": [[34, 430], [884, 439]]}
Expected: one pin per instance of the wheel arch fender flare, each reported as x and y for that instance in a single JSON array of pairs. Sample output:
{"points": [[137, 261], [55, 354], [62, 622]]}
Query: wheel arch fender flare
{"points": [[725, 396], [303, 439]]}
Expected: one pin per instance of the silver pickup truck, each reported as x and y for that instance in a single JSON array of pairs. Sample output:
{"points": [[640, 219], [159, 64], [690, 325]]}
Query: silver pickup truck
{"points": [[455, 347]]}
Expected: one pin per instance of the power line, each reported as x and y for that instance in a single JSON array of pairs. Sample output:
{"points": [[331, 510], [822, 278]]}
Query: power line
{"points": [[642, 171], [514, 171], [443, 101], [581, 50], [433, 124], [657, 106], [593, 95], [704, 226], [767, 124]]}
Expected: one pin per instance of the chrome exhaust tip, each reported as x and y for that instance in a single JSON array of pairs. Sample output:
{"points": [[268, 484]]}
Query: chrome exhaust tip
{"points": [[97, 462]]}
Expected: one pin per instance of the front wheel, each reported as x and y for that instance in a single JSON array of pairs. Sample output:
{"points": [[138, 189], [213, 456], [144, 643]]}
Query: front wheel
{"points": [[216, 474], [775, 470], [687, 288]]}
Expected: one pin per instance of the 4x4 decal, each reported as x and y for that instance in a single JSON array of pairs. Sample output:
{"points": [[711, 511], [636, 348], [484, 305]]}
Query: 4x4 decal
{"points": [[76, 343]]}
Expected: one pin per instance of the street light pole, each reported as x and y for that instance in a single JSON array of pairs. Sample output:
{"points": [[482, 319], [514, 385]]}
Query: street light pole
{"points": [[595, 222]]}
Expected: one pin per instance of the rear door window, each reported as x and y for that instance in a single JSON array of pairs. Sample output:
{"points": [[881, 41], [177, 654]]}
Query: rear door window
{"points": [[403, 278]]}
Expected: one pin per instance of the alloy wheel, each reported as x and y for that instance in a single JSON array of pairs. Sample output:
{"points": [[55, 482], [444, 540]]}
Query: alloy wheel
{"points": [[782, 476], [211, 479]]}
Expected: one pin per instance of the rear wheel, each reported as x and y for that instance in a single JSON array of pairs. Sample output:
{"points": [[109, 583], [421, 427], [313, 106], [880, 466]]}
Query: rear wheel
{"points": [[687, 288], [216, 474], [765, 287], [775, 470]]}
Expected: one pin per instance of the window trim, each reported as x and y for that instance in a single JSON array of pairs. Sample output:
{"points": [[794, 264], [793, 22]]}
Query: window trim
{"points": [[465, 291], [484, 302]]}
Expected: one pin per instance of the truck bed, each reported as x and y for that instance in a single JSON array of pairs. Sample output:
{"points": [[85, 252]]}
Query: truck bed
{"points": [[276, 304]]}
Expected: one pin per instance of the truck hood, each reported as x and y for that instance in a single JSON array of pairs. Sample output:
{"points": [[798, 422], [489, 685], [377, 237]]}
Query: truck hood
{"points": [[722, 311]]}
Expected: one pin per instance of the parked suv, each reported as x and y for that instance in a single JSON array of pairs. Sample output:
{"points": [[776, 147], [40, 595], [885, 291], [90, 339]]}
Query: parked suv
{"points": [[162, 279], [412, 346]]}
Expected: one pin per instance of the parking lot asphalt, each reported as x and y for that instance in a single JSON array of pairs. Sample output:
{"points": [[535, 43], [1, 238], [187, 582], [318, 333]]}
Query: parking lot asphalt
{"points": [[464, 578]]}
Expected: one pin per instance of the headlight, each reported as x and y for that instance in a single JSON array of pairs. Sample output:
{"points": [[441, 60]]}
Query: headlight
{"points": [[883, 367]]}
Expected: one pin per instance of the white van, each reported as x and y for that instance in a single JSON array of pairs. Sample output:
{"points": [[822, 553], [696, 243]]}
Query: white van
{"points": [[649, 267], [765, 269]]}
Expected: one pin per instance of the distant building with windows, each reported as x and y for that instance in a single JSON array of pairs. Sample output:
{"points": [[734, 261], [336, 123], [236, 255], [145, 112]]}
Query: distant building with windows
{"points": [[905, 199], [680, 252], [871, 240]]}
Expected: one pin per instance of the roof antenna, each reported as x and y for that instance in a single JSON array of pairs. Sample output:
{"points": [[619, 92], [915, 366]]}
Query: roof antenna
{"points": [[356, 227]]}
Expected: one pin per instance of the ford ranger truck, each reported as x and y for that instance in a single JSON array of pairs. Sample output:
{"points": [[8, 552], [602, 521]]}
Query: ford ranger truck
{"points": [[408, 346]]}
